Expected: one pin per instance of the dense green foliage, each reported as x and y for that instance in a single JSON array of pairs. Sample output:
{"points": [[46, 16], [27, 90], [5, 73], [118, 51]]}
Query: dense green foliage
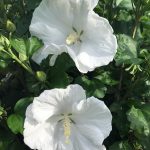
{"points": [[124, 84]]}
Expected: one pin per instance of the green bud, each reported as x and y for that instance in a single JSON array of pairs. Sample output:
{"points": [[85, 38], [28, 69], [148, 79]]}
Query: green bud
{"points": [[4, 42], [1, 47], [10, 26], [41, 76], [23, 57], [144, 53], [2, 111]]}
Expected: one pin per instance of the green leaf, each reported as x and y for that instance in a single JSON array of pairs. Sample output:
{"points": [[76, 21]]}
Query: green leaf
{"points": [[19, 45], [16, 120], [106, 78], [58, 78], [32, 45], [57, 74], [26, 46], [118, 2], [138, 121], [123, 145], [92, 87], [126, 4], [124, 15], [15, 123], [21, 106], [127, 51]]}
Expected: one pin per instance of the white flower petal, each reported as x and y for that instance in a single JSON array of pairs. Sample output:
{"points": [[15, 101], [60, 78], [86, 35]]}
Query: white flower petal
{"points": [[88, 121], [51, 21], [81, 141], [80, 12], [93, 3], [73, 52], [41, 54], [55, 101], [47, 50], [37, 136], [99, 44], [54, 20], [94, 114], [53, 60]]}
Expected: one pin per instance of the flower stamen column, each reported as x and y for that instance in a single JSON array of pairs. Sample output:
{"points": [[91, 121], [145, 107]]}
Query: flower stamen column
{"points": [[67, 127]]}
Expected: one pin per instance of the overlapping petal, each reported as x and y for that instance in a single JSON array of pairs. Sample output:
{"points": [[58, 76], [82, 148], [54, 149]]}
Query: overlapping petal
{"points": [[99, 46], [51, 21], [57, 101], [36, 135], [81, 141], [54, 20], [44, 124], [93, 114]]}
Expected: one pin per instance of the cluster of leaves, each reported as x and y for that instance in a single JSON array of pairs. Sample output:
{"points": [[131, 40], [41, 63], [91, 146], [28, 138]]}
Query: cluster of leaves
{"points": [[124, 84]]}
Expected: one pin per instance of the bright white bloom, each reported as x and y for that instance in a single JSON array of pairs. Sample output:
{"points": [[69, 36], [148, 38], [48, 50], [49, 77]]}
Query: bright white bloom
{"points": [[63, 119], [73, 27]]}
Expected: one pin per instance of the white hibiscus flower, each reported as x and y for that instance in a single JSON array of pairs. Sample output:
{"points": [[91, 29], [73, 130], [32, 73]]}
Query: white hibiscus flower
{"points": [[73, 27], [63, 119]]}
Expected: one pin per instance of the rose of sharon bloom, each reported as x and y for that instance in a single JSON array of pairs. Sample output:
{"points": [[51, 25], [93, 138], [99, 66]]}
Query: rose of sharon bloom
{"points": [[73, 27], [63, 119]]}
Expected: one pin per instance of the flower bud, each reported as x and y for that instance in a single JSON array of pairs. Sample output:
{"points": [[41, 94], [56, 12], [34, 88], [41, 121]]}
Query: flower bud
{"points": [[4, 42], [2, 111], [10, 26], [1, 47], [41, 76]]}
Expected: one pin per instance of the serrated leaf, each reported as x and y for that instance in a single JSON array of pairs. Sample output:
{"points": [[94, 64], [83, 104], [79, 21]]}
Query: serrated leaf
{"points": [[118, 2], [32, 45], [126, 4], [19, 45], [106, 78], [127, 51], [138, 122], [26, 46]]}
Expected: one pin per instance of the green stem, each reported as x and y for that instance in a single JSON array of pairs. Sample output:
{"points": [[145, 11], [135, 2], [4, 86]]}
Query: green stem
{"points": [[137, 12], [135, 30], [23, 65], [13, 56]]}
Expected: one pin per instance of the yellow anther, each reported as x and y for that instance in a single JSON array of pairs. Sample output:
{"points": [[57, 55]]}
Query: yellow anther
{"points": [[72, 38], [67, 128]]}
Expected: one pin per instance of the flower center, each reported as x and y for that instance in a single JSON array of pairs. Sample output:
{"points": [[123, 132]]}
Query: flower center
{"points": [[73, 37], [67, 127]]}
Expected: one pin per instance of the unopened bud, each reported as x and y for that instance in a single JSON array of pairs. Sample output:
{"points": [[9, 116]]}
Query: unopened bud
{"points": [[41, 76], [10, 26], [4, 42]]}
